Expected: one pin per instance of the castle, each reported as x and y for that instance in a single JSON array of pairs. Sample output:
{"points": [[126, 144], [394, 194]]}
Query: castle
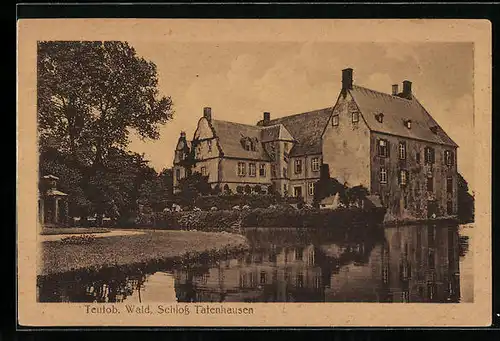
{"points": [[387, 142]]}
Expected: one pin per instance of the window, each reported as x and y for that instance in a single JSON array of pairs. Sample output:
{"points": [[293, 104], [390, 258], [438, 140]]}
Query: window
{"points": [[449, 157], [383, 148], [429, 155], [263, 277], [408, 124], [247, 144], [273, 171], [335, 120], [403, 177], [417, 158], [449, 207], [242, 169], [252, 169], [285, 146], [284, 172], [311, 188], [315, 164], [355, 117], [285, 189], [300, 280], [383, 175], [449, 184], [262, 169], [253, 146], [209, 143], [178, 174], [430, 184], [402, 150], [298, 166], [204, 171]]}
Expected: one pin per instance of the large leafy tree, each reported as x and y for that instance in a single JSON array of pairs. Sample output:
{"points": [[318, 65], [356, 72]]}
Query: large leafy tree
{"points": [[91, 94]]}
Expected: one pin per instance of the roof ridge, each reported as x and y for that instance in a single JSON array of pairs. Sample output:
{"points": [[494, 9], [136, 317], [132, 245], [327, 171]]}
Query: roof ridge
{"points": [[243, 124], [383, 93], [302, 113]]}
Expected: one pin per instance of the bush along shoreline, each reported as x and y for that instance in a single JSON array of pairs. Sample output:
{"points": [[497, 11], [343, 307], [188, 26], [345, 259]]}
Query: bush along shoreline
{"points": [[234, 221]]}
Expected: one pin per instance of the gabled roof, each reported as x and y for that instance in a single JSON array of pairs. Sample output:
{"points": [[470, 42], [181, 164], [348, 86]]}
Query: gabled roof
{"points": [[396, 110], [229, 135], [276, 132], [306, 128]]}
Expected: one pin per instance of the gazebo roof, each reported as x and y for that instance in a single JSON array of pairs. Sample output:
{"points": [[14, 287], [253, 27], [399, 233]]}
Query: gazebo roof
{"points": [[55, 193]]}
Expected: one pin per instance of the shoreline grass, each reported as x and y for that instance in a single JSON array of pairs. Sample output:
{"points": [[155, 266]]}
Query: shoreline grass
{"points": [[57, 257], [51, 231]]}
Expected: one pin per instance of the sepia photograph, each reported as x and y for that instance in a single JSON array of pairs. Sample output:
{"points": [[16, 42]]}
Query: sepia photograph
{"points": [[255, 174]]}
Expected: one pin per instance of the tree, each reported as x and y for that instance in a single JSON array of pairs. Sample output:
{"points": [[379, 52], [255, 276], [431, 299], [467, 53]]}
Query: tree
{"points": [[466, 200], [248, 189], [240, 189], [92, 94], [327, 186], [193, 186], [355, 195], [227, 190], [257, 189]]}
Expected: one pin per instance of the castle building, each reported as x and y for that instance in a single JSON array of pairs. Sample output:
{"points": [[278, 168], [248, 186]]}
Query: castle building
{"points": [[387, 142]]}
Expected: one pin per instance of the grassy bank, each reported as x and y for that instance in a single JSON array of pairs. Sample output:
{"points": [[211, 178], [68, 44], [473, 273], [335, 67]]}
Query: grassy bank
{"points": [[57, 257], [50, 231]]}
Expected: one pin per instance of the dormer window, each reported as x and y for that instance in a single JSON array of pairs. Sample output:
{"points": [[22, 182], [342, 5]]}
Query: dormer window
{"points": [[434, 129], [408, 124], [335, 120], [379, 117]]}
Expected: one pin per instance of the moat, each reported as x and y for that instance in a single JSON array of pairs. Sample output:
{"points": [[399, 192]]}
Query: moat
{"points": [[421, 263]]}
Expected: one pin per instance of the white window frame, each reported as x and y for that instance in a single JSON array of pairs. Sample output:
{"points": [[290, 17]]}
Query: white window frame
{"points": [[297, 165], [252, 169], [402, 150], [383, 175], [355, 116], [242, 169], [315, 164], [310, 188], [335, 120], [262, 167], [383, 143], [403, 177]]}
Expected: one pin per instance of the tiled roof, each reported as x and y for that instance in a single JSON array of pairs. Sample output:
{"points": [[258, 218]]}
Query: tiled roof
{"points": [[229, 135], [276, 132], [306, 128], [396, 111]]}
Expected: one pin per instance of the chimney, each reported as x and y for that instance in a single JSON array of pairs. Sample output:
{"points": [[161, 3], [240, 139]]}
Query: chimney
{"points": [[207, 113], [395, 90], [347, 79], [183, 134], [266, 118], [407, 89]]}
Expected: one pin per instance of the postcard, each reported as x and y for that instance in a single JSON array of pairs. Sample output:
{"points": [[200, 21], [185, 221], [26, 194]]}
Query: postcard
{"points": [[254, 173]]}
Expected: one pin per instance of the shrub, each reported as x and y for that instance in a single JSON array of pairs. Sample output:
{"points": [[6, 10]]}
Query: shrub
{"points": [[83, 239], [239, 189], [248, 189], [257, 189]]}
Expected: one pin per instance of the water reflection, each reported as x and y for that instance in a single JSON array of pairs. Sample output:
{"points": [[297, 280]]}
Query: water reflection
{"points": [[405, 264]]}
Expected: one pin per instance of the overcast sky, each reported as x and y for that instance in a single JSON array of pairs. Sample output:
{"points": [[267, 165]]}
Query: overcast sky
{"points": [[240, 80]]}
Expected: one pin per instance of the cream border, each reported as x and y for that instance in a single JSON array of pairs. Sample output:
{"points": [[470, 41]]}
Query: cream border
{"points": [[31, 313]]}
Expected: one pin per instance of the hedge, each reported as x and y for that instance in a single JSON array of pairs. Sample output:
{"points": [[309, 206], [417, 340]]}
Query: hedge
{"points": [[208, 221], [311, 218]]}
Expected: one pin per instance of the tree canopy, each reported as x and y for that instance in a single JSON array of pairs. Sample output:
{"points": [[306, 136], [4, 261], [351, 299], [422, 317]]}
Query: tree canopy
{"points": [[91, 96], [92, 93]]}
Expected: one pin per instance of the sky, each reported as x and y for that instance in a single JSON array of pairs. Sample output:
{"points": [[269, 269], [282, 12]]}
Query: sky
{"points": [[241, 80]]}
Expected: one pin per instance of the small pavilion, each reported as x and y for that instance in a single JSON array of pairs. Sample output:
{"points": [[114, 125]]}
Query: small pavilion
{"points": [[52, 203]]}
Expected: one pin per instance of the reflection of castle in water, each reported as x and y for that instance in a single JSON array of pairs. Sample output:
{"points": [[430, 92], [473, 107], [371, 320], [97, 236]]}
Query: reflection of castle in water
{"points": [[405, 264], [411, 264]]}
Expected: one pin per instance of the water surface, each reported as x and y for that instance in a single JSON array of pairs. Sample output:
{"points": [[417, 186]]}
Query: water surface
{"points": [[422, 263]]}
